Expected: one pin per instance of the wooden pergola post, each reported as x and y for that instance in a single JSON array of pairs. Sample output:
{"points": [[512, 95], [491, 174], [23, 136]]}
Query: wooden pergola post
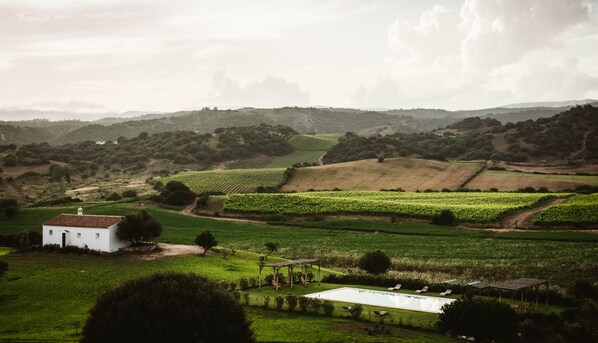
{"points": [[318, 273], [291, 276], [259, 277]]}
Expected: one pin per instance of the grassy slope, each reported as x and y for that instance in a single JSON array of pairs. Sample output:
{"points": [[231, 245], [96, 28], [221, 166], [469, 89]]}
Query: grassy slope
{"points": [[510, 181], [312, 142], [229, 181], [296, 157], [407, 173], [419, 251]]}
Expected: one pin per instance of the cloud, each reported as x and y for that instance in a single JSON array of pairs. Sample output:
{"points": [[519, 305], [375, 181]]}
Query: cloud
{"points": [[40, 17], [488, 33], [269, 92]]}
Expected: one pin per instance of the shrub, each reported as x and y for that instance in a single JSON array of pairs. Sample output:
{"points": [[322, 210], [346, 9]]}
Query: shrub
{"points": [[7, 202], [291, 301], [114, 197], [167, 307], [243, 284], [10, 212], [328, 307], [271, 247], [266, 301], [445, 218], [129, 193], [279, 301], [481, 318], [179, 197], [206, 240], [246, 298], [303, 303], [355, 311], [380, 159], [374, 262], [176, 186]]}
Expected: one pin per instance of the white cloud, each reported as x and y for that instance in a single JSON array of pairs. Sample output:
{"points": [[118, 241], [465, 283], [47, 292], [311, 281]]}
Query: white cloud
{"points": [[269, 92]]}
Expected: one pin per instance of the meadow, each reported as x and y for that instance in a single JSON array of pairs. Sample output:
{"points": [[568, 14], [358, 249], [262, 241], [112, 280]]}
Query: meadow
{"points": [[229, 181], [512, 181], [472, 207], [312, 142]]}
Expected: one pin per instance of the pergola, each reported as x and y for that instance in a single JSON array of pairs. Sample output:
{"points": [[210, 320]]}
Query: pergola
{"points": [[276, 266], [520, 285]]}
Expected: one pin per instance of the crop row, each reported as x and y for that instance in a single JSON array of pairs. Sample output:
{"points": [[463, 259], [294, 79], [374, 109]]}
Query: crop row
{"points": [[580, 210], [480, 209], [229, 181]]}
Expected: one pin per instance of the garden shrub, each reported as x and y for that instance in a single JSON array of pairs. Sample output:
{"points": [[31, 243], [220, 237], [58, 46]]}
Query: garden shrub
{"points": [[291, 301], [328, 307], [375, 262], [279, 301]]}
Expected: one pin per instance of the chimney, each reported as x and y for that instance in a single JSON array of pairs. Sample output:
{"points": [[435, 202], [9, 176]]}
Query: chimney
{"points": [[80, 211]]}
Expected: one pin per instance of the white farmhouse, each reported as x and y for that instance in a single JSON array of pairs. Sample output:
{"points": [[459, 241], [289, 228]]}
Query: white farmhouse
{"points": [[92, 231]]}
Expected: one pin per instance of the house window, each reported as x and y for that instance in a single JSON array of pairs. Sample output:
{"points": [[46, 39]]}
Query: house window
{"points": [[78, 234], [50, 232], [97, 236]]}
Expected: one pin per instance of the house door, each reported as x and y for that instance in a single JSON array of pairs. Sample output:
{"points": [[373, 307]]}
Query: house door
{"points": [[63, 240]]}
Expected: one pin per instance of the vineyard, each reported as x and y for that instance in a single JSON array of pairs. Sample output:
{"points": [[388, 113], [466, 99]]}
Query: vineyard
{"points": [[312, 143], [229, 181], [581, 210], [467, 207]]}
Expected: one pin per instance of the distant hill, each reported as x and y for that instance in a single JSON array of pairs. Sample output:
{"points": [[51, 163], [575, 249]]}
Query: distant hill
{"points": [[570, 135], [568, 103]]}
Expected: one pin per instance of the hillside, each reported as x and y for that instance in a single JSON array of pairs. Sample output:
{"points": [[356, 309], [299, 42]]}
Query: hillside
{"points": [[407, 173], [570, 135]]}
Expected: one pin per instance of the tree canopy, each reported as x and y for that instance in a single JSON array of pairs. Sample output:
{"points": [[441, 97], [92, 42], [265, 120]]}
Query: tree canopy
{"points": [[167, 307], [139, 227], [375, 262], [206, 240]]}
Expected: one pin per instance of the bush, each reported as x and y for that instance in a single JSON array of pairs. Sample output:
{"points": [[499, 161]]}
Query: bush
{"points": [[291, 301], [114, 197], [445, 218], [380, 159], [167, 307], [375, 262], [243, 284], [279, 301], [303, 303], [179, 197], [266, 301], [480, 318], [174, 186], [7, 202], [328, 308], [356, 311], [3, 268], [10, 212], [129, 193]]}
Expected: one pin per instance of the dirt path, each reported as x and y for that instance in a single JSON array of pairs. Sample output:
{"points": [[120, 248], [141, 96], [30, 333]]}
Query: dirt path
{"points": [[173, 250], [520, 220], [583, 145], [188, 211], [321, 159], [13, 192]]}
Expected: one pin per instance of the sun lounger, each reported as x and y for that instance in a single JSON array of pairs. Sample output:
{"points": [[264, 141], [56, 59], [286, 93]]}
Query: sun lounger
{"points": [[395, 288], [423, 290], [447, 292], [380, 313]]}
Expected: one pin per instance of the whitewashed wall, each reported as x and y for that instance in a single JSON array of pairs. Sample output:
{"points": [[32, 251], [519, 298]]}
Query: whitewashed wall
{"points": [[94, 238]]}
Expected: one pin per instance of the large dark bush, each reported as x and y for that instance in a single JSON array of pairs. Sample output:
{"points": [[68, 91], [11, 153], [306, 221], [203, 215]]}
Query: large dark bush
{"points": [[180, 197], [482, 319], [374, 262], [176, 186], [129, 193], [445, 218], [139, 227], [167, 307]]}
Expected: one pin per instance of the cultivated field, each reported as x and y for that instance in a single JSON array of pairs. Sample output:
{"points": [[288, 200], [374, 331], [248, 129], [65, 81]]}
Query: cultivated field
{"points": [[511, 181], [409, 174], [229, 181], [470, 207], [581, 210], [311, 142]]}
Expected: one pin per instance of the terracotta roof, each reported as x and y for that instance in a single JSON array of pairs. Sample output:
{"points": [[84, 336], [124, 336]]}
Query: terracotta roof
{"points": [[75, 220]]}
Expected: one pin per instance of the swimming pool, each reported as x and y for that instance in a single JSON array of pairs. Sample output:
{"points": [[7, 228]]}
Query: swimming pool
{"points": [[384, 299]]}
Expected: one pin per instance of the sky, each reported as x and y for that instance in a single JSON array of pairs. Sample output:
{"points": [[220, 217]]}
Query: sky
{"points": [[100, 56]]}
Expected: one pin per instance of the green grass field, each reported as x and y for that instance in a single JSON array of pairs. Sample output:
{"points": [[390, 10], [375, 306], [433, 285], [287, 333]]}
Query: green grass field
{"points": [[229, 181], [296, 157], [473, 207], [312, 143]]}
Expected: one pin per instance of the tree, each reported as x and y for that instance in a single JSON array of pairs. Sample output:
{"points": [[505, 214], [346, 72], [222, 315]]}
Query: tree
{"points": [[445, 218], [139, 227], [10, 212], [176, 186], [480, 318], [129, 193], [374, 262], [113, 197], [380, 159], [271, 247], [206, 240], [167, 307]]}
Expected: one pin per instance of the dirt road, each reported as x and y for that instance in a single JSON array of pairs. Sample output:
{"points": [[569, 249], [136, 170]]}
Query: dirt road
{"points": [[521, 220], [188, 211]]}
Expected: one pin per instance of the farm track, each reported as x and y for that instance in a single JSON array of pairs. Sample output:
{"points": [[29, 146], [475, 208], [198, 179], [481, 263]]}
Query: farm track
{"points": [[521, 219], [173, 250], [583, 145], [188, 211]]}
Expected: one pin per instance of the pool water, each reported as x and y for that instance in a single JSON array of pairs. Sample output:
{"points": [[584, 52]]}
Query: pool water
{"points": [[411, 302]]}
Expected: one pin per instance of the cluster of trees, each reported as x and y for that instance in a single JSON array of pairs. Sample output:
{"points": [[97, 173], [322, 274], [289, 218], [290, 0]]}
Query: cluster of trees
{"points": [[558, 136], [180, 147], [173, 193], [9, 207]]}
